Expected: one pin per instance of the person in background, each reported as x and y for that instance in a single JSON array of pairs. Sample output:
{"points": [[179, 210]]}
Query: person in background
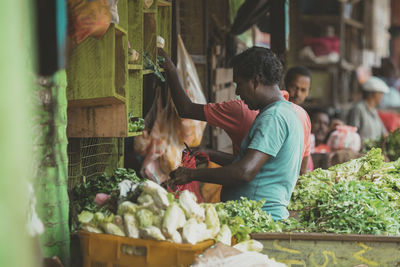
{"points": [[297, 83], [269, 160], [388, 73], [320, 123], [234, 116], [364, 115]]}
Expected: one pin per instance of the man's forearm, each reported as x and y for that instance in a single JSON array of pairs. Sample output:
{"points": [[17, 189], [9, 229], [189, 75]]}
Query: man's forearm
{"points": [[227, 176], [220, 157], [181, 99], [184, 105]]}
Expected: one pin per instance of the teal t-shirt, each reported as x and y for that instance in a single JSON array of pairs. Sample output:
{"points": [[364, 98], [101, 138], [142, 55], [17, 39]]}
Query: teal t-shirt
{"points": [[278, 132]]}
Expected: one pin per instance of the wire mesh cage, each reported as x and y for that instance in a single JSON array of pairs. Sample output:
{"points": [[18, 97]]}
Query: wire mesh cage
{"points": [[89, 157]]}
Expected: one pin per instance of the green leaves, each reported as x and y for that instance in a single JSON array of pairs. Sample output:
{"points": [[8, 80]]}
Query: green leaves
{"points": [[390, 145], [361, 196], [246, 216], [85, 193], [135, 124]]}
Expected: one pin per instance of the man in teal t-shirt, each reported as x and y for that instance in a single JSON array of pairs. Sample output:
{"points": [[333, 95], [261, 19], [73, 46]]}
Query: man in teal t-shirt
{"points": [[269, 160], [276, 131]]}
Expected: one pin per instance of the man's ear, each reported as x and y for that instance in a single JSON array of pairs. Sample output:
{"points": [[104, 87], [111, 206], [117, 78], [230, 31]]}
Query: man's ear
{"points": [[256, 81]]}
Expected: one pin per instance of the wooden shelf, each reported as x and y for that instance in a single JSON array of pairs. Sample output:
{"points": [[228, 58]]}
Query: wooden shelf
{"points": [[147, 72], [354, 23], [151, 71], [163, 3], [103, 87], [119, 30], [131, 134], [134, 66]]}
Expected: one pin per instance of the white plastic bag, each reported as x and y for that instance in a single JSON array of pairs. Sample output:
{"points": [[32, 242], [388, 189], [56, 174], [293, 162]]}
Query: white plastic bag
{"points": [[190, 131]]}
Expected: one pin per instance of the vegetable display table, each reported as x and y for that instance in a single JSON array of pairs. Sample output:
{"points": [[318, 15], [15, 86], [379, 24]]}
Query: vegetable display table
{"points": [[317, 249]]}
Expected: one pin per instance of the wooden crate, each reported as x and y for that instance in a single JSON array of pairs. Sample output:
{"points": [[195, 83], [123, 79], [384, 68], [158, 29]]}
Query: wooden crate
{"points": [[95, 71], [103, 87]]}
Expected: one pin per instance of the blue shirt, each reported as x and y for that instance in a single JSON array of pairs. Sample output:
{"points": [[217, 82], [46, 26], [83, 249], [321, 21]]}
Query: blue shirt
{"points": [[278, 132]]}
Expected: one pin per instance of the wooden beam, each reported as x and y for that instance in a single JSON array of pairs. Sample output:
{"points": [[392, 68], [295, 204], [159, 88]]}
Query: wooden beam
{"points": [[278, 33]]}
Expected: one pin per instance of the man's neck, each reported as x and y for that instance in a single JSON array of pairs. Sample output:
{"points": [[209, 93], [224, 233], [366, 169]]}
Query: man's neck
{"points": [[370, 103], [271, 95]]}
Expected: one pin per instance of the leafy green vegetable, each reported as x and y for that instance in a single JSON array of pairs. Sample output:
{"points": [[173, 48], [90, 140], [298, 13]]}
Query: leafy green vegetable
{"points": [[390, 145], [135, 124], [83, 194], [361, 196], [246, 216]]}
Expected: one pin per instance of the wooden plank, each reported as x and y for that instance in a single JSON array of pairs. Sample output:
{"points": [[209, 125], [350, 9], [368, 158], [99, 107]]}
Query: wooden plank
{"points": [[223, 75], [164, 3], [135, 27], [92, 102], [150, 35], [134, 66], [130, 134], [354, 23], [101, 121], [119, 29]]}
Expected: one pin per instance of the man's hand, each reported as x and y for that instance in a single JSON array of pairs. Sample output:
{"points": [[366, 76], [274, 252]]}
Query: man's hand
{"points": [[179, 176]]}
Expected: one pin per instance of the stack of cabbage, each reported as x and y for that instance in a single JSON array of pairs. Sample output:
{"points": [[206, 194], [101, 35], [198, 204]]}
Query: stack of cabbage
{"points": [[158, 215]]}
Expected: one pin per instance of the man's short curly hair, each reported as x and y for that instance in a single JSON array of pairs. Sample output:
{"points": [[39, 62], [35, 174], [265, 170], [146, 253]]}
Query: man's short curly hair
{"points": [[293, 72], [258, 61]]}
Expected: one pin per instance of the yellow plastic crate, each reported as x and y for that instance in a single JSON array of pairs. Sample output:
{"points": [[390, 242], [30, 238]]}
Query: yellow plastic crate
{"points": [[101, 250]]}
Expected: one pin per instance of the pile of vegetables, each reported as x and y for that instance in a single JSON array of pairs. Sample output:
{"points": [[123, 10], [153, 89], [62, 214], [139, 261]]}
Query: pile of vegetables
{"points": [[83, 194], [390, 145], [245, 217], [361, 196], [159, 215]]}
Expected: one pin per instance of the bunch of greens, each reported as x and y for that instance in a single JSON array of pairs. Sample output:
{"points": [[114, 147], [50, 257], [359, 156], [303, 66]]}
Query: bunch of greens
{"points": [[83, 194], [310, 185], [135, 124], [354, 207], [360, 196], [390, 145], [246, 216], [149, 64]]}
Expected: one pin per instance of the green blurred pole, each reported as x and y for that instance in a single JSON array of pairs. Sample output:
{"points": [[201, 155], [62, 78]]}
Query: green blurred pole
{"points": [[51, 175], [15, 138]]}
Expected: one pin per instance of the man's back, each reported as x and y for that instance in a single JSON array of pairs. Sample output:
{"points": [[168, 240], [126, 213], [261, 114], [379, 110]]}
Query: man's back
{"points": [[278, 132]]}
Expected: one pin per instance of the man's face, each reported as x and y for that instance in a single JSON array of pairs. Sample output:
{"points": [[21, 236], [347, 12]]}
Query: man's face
{"points": [[245, 89], [299, 89], [378, 97], [320, 126]]}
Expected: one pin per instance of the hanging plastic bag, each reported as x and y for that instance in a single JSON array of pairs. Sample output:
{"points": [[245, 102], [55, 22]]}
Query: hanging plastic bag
{"points": [[87, 18], [161, 153], [345, 137], [189, 131]]}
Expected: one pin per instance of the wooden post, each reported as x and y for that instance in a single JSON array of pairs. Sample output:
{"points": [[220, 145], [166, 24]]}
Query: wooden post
{"points": [[278, 32]]}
